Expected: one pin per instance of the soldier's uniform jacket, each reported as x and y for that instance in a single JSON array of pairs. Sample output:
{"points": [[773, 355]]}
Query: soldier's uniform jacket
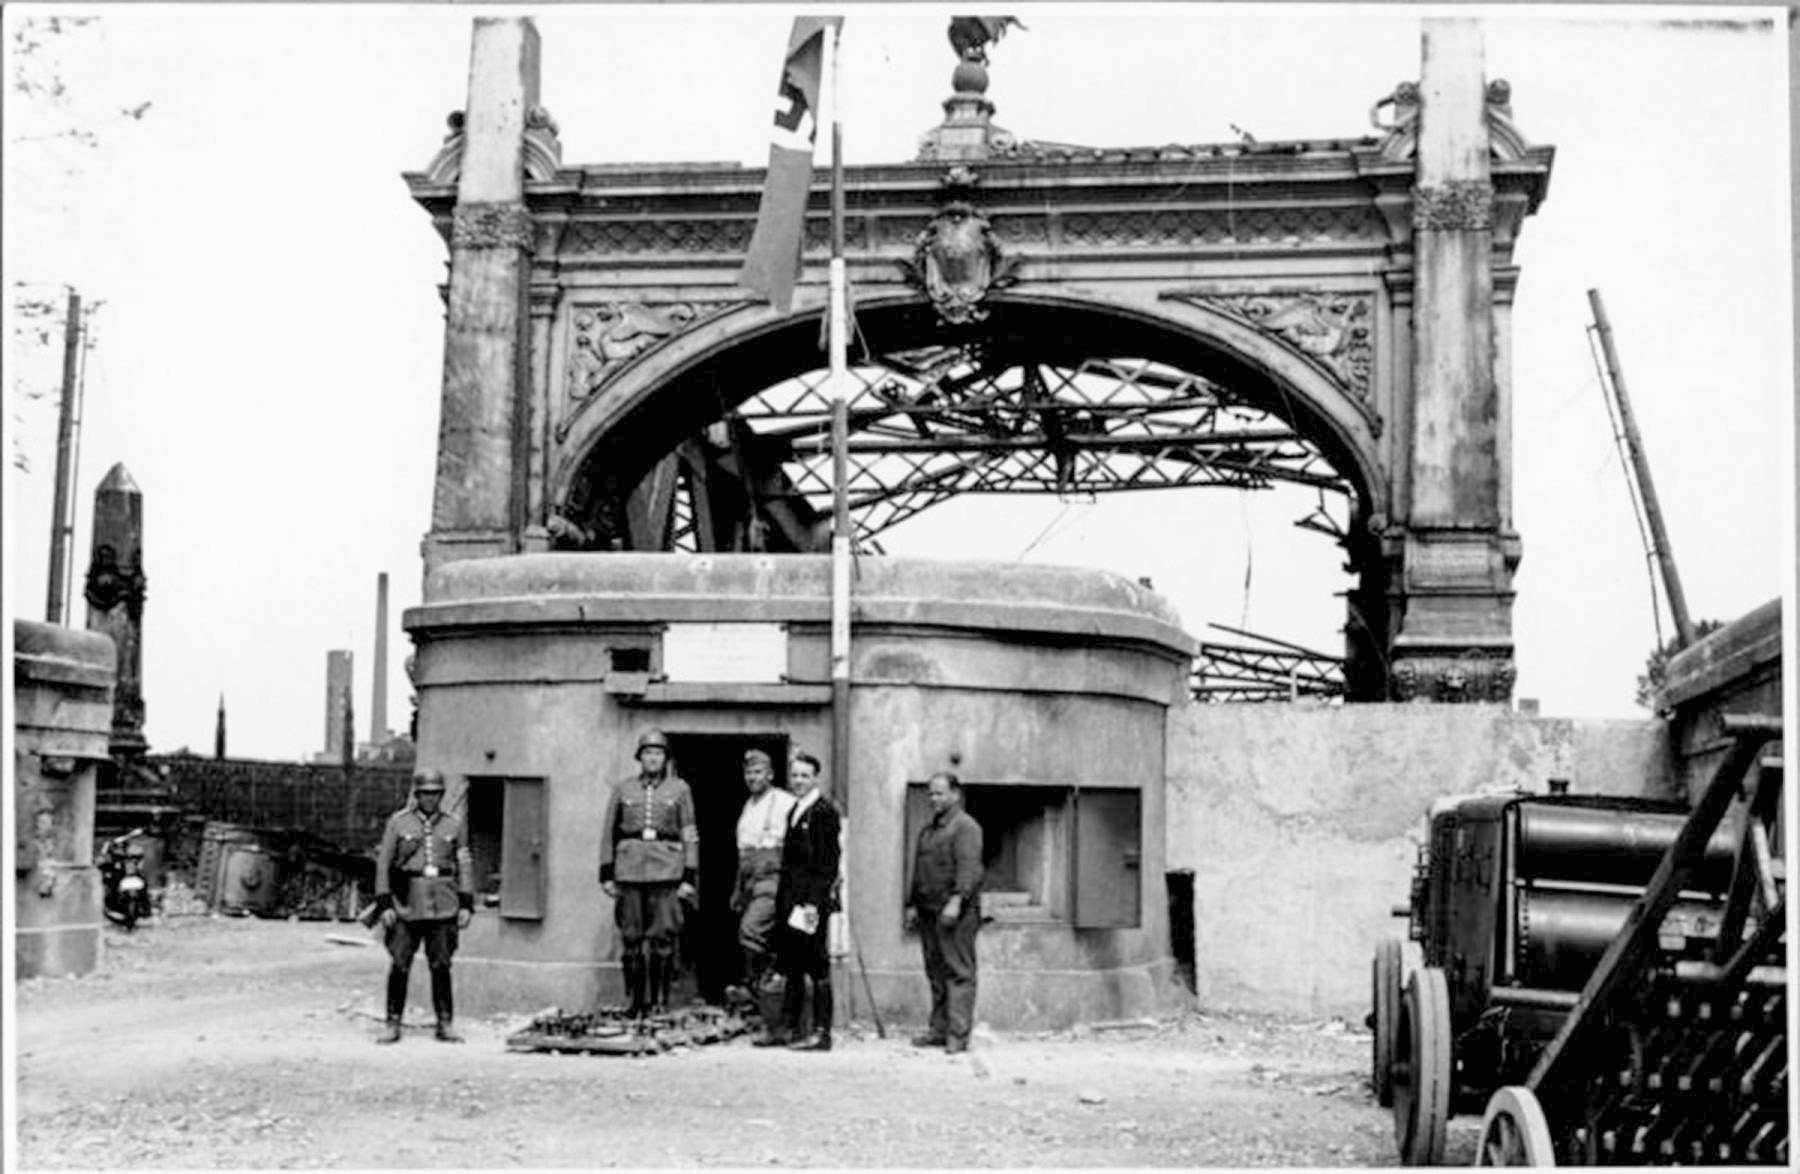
{"points": [[424, 865], [647, 833]]}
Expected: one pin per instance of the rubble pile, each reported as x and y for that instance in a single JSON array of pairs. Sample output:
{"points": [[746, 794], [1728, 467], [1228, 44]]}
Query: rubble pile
{"points": [[614, 1031]]}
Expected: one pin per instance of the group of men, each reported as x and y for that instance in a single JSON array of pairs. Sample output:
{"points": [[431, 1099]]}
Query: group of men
{"points": [[789, 846]]}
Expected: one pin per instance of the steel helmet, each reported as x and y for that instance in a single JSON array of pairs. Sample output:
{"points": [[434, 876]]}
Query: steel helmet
{"points": [[651, 738], [428, 780]]}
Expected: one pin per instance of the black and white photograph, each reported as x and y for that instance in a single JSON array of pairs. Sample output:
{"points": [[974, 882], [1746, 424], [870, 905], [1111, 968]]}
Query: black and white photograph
{"points": [[713, 585]]}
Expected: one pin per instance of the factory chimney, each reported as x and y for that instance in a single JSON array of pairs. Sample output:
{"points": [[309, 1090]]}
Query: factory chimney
{"points": [[378, 727]]}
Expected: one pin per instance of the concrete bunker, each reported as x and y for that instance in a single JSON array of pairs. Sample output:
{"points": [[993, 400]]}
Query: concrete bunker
{"points": [[1047, 689]]}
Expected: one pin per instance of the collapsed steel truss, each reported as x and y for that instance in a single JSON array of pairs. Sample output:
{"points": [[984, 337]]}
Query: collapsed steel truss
{"points": [[1266, 670], [928, 424], [932, 423]]}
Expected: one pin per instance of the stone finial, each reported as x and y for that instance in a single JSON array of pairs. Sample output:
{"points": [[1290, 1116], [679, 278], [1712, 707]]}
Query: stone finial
{"points": [[968, 131]]}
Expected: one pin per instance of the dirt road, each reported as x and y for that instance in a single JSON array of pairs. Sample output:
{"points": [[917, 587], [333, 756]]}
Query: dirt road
{"points": [[220, 1043]]}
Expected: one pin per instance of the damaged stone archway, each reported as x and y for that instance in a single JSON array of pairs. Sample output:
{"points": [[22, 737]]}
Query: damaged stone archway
{"points": [[1333, 313], [1358, 290], [1048, 393]]}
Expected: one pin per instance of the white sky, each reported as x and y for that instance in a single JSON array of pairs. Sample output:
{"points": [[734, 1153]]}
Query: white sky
{"points": [[269, 352]]}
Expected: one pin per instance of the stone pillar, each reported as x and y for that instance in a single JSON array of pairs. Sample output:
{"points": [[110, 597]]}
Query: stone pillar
{"points": [[62, 722], [1455, 638], [115, 599], [478, 507]]}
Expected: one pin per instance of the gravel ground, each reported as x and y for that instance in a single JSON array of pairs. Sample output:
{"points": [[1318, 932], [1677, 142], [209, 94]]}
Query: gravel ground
{"points": [[219, 1043]]}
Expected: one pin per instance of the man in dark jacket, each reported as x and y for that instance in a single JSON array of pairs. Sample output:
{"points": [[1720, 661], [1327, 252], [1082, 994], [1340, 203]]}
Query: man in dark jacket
{"points": [[945, 907], [804, 903], [649, 865], [424, 887]]}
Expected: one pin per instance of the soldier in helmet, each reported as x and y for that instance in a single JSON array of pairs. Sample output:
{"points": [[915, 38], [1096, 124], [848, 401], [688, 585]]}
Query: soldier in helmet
{"points": [[424, 887], [649, 865]]}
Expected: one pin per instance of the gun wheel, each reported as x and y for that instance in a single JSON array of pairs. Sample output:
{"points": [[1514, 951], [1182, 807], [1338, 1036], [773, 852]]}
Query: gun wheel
{"points": [[1422, 1071], [1514, 1131], [1384, 1022]]}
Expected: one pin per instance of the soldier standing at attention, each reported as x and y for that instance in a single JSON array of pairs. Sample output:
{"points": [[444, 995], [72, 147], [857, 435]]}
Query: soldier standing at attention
{"points": [[945, 907], [424, 886], [649, 865]]}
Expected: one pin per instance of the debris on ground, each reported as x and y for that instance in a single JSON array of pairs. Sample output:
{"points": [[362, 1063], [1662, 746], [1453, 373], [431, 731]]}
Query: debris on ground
{"points": [[614, 1031]]}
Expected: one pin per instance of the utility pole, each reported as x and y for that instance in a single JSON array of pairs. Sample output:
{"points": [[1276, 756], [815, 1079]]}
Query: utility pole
{"points": [[1640, 467], [61, 524]]}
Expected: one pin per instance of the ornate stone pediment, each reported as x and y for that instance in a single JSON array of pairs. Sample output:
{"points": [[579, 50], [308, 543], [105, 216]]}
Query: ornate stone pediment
{"points": [[543, 150], [1332, 331], [956, 262]]}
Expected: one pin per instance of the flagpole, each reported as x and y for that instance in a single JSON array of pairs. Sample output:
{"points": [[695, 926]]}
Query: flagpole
{"points": [[839, 346]]}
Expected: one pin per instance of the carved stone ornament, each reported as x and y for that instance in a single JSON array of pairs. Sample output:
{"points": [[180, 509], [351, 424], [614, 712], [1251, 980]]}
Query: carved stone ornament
{"points": [[491, 226], [1334, 331], [543, 150], [1471, 677], [110, 584], [956, 262], [1459, 205], [610, 334], [1400, 132]]}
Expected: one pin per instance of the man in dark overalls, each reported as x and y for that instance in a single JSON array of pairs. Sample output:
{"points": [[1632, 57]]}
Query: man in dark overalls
{"points": [[649, 865], [424, 886], [945, 907]]}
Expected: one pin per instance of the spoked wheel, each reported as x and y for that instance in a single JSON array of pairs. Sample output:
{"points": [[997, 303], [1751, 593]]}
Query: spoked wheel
{"points": [[1385, 1020], [1421, 1071], [1514, 1131]]}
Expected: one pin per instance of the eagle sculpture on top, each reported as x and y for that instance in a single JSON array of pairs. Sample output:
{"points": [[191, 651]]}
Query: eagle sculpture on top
{"points": [[971, 35]]}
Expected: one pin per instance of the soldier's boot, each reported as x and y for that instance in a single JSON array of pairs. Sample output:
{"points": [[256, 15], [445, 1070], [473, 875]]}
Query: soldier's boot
{"points": [[771, 1000], [396, 1006], [820, 1039], [632, 963], [748, 997], [662, 966], [444, 1004]]}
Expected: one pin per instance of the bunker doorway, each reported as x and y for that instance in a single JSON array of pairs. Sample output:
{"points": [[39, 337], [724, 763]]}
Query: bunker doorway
{"points": [[713, 765]]}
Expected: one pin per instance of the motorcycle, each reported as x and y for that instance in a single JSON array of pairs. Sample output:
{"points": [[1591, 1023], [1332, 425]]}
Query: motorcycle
{"points": [[126, 892]]}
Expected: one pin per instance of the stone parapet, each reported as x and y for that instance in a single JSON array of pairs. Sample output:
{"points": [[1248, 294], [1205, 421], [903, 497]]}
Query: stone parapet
{"points": [[62, 714]]}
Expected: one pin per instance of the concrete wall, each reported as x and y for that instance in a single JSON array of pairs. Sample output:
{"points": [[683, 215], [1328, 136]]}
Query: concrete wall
{"points": [[1301, 824], [1023, 676], [62, 717]]}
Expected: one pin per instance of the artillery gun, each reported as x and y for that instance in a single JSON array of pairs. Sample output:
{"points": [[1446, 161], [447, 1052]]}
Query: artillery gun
{"points": [[1607, 974]]}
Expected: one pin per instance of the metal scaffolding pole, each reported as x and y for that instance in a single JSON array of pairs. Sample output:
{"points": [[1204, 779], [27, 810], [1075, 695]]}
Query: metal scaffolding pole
{"points": [[1640, 467]]}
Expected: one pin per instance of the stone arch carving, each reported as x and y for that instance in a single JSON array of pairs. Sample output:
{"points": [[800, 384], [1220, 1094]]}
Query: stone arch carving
{"points": [[1288, 382]]}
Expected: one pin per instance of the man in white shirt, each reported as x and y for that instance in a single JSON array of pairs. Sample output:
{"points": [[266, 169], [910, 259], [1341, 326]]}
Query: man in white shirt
{"points": [[760, 830]]}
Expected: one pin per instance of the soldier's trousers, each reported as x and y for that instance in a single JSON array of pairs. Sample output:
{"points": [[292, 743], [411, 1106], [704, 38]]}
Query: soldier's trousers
{"points": [[648, 915], [950, 968], [439, 937]]}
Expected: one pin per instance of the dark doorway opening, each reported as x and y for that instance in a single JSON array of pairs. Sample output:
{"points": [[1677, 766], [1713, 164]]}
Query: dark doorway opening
{"points": [[713, 765]]}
